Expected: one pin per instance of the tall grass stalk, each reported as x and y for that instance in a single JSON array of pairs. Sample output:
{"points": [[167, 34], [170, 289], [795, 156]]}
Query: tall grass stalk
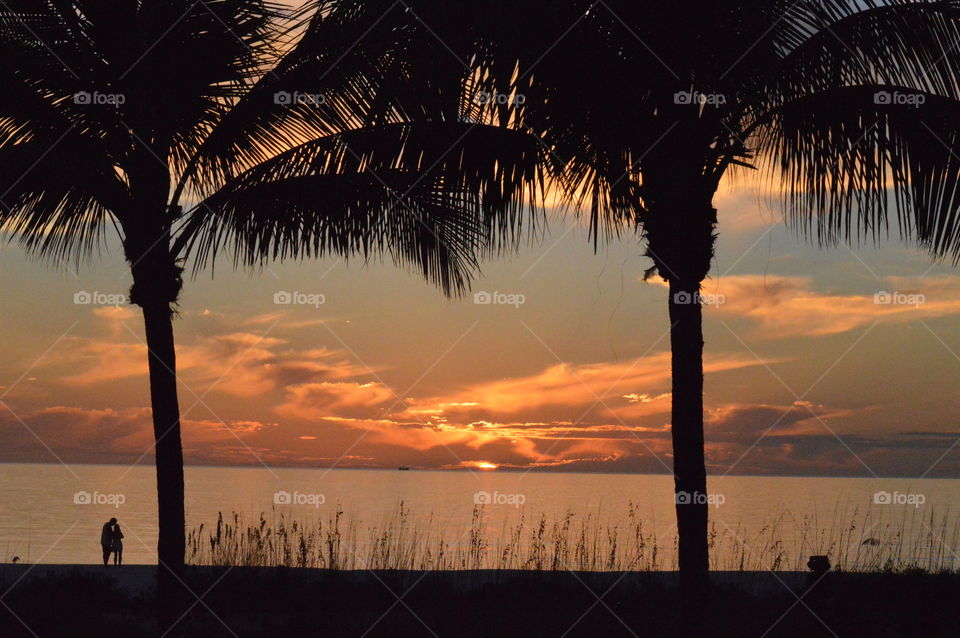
{"points": [[868, 541]]}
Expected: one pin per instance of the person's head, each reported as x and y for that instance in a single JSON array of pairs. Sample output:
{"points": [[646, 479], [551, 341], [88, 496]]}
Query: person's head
{"points": [[112, 521]]}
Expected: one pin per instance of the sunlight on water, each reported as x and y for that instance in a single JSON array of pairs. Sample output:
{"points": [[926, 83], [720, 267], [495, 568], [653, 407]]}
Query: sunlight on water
{"points": [[48, 515]]}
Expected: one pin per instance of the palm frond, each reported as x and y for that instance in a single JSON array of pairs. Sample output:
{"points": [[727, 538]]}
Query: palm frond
{"points": [[54, 200], [431, 195], [850, 155]]}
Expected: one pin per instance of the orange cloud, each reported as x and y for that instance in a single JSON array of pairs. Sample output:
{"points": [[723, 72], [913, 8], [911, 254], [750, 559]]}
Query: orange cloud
{"points": [[235, 362], [313, 401], [545, 419], [788, 306], [565, 392], [742, 438], [609, 416], [81, 435]]}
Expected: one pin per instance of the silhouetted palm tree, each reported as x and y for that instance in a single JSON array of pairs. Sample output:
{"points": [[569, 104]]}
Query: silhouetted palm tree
{"points": [[852, 104], [234, 124], [645, 106]]}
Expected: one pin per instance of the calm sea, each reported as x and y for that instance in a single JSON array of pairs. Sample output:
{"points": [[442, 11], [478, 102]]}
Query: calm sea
{"points": [[51, 514]]}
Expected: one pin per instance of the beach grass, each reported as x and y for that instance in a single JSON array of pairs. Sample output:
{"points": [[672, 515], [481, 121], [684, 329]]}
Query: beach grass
{"points": [[867, 541]]}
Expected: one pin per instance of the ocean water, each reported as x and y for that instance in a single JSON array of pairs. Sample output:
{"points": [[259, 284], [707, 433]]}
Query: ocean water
{"points": [[51, 514]]}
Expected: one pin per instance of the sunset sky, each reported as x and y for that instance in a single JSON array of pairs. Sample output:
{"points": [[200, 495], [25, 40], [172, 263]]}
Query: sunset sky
{"points": [[805, 373]]}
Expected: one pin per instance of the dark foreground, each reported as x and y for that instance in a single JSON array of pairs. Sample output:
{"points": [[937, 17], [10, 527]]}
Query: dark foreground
{"points": [[69, 601]]}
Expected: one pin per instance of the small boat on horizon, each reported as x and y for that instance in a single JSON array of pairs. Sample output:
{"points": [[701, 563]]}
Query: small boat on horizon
{"points": [[403, 468]]}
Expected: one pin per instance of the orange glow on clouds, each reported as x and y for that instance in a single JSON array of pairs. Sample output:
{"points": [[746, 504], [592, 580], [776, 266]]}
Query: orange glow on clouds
{"points": [[258, 390]]}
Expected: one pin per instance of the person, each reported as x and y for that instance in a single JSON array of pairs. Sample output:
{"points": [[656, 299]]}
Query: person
{"points": [[106, 539], [117, 545]]}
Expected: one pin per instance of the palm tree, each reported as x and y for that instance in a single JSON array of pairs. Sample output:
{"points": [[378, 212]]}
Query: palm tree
{"points": [[852, 104], [645, 107], [234, 124]]}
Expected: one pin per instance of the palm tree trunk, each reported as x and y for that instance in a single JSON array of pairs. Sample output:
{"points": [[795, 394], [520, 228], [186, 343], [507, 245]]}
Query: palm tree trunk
{"points": [[690, 477], [158, 320], [170, 601]]}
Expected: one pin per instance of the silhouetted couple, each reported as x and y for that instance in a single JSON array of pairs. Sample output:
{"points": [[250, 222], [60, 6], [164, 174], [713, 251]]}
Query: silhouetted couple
{"points": [[111, 541]]}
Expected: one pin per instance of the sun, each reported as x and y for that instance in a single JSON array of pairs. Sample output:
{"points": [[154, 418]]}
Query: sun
{"points": [[486, 465]]}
